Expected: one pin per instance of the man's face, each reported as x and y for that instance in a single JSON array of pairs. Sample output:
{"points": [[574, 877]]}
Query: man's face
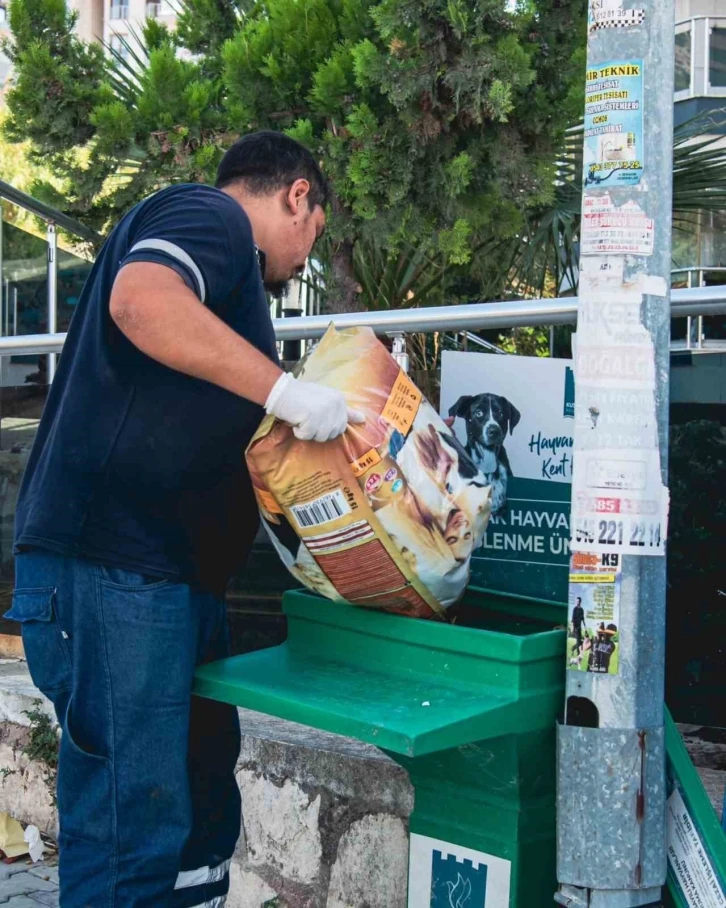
{"points": [[294, 229]]}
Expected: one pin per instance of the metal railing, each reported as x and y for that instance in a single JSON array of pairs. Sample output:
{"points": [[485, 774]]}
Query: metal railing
{"points": [[46, 213], [693, 303], [695, 277], [53, 220], [451, 319]]}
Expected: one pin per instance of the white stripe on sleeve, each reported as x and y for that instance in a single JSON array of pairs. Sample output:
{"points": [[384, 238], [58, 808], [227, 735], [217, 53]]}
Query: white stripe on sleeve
{"points": [[176, 252]]}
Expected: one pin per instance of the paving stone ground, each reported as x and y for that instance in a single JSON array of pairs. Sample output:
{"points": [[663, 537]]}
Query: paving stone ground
{"points": [[24, 885]]}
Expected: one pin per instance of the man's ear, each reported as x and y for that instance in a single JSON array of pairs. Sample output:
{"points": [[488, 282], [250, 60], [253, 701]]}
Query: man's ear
{"points": [[461, 407], [296, 197]]}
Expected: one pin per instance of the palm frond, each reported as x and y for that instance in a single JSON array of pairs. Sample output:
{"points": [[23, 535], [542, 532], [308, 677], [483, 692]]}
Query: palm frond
{"points": [[125, 71], [410, 275], [546, 251]]}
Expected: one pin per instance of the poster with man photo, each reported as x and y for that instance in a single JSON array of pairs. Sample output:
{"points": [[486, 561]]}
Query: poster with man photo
{"points": [[593, 640], [514, 415]]}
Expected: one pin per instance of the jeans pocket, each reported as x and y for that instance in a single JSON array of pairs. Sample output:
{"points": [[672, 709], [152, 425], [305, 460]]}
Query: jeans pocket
{"points": [[85, 790], [44, 640], [131, 581]]}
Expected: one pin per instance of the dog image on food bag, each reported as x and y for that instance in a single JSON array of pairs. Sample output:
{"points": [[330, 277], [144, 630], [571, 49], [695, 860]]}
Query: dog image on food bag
{"points": [[388, 515], [489, 418]]}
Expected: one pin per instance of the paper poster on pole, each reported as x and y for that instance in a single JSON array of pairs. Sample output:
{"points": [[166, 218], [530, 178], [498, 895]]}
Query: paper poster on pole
{"points": [[619, 503], [611, 14], [516, 416], [613, 151], [593, 643], [611, 230], [619, 500]]}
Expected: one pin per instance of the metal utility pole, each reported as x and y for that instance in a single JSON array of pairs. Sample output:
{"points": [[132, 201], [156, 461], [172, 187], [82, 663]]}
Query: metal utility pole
{"points": [[611, 760]]}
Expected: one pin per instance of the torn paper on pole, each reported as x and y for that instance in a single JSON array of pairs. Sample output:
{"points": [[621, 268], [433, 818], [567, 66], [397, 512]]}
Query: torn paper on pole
{"points": [[619, 502], [611, 14], [611, 230]]}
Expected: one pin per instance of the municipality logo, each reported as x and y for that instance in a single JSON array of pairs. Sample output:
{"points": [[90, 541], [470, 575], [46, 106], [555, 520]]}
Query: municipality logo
{"points": [[568, 409], [457, 884]]}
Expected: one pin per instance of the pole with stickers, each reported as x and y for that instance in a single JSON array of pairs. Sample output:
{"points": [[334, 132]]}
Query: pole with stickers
{"points": [[611, 752]]}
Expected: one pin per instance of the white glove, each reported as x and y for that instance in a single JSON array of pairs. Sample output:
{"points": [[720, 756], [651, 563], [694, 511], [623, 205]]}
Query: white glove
{"points": [[315, 412]]}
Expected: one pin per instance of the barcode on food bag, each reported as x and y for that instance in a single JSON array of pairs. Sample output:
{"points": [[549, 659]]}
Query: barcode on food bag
{"points": [[323, 510]]}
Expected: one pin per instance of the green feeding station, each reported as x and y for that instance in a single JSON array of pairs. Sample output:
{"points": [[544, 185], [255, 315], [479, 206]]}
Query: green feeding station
{"points": [[468, 709]]}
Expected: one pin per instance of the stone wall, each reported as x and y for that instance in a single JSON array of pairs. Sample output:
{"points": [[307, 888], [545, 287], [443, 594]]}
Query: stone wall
{"points": [[325, 818]]}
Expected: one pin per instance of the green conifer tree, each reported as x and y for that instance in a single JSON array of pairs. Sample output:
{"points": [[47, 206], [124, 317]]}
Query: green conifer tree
{"points": [[437, 120]]}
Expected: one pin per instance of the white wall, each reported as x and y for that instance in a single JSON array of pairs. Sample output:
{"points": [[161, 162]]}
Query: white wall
{"points": [[135, 14]]}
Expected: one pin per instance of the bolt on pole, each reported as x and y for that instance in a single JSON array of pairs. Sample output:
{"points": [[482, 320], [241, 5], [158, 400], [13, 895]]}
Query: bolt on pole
{"points": [[611, 754]]}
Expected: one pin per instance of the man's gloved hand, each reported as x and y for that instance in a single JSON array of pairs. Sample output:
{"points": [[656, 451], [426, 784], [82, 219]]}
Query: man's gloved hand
{"points": [[315, 412]]}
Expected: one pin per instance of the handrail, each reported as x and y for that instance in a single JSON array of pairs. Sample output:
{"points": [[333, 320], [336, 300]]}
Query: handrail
{"points": [[698, 19], [708, 268], [46, 213], [474, 316]]}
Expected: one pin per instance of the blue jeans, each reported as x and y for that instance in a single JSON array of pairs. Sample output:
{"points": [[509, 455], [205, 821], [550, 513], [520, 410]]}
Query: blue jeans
{"points": [[148, 803]]}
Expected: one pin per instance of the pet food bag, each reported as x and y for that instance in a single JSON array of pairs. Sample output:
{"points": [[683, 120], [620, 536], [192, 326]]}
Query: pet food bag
{"points": [[385, 516]]}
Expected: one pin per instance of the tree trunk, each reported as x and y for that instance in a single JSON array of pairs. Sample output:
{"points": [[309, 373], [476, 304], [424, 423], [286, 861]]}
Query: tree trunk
{"points": [[343, 295]]}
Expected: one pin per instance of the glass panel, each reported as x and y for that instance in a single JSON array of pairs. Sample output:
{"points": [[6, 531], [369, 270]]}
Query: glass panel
{"points": [[714, 326], [711, 243], [683, 60], [24, 273], [23, 387], [23, 310], [717, 58], [72, 273], [685, 237], [679, 279]]}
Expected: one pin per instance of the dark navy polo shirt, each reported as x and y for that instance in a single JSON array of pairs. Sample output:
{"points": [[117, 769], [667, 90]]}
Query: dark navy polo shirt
{"points": [[136, 465]]}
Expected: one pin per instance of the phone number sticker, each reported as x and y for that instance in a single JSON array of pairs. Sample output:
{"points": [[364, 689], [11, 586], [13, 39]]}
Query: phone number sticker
{"points": [[644, 537], [619, 503]]}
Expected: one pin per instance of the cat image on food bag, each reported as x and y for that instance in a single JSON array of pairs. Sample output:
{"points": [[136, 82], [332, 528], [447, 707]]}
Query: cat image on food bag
{"points": [[440, 517]]}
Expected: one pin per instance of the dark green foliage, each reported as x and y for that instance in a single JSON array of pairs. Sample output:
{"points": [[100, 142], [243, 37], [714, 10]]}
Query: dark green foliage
{"points": [[437, 120], [696, 679]]}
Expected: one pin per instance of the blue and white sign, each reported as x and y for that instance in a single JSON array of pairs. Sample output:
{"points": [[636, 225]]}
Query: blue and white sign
{"points": [[613, 153], [443, 875], [515, 416]]}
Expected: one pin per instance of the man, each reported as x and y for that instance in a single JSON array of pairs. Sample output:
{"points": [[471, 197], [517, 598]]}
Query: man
{"points": [[603, 649], [578, 623], [135, 508]]}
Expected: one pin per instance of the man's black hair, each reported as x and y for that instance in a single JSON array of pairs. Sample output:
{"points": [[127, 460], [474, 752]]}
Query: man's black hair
{"points": [[268, 161]]}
